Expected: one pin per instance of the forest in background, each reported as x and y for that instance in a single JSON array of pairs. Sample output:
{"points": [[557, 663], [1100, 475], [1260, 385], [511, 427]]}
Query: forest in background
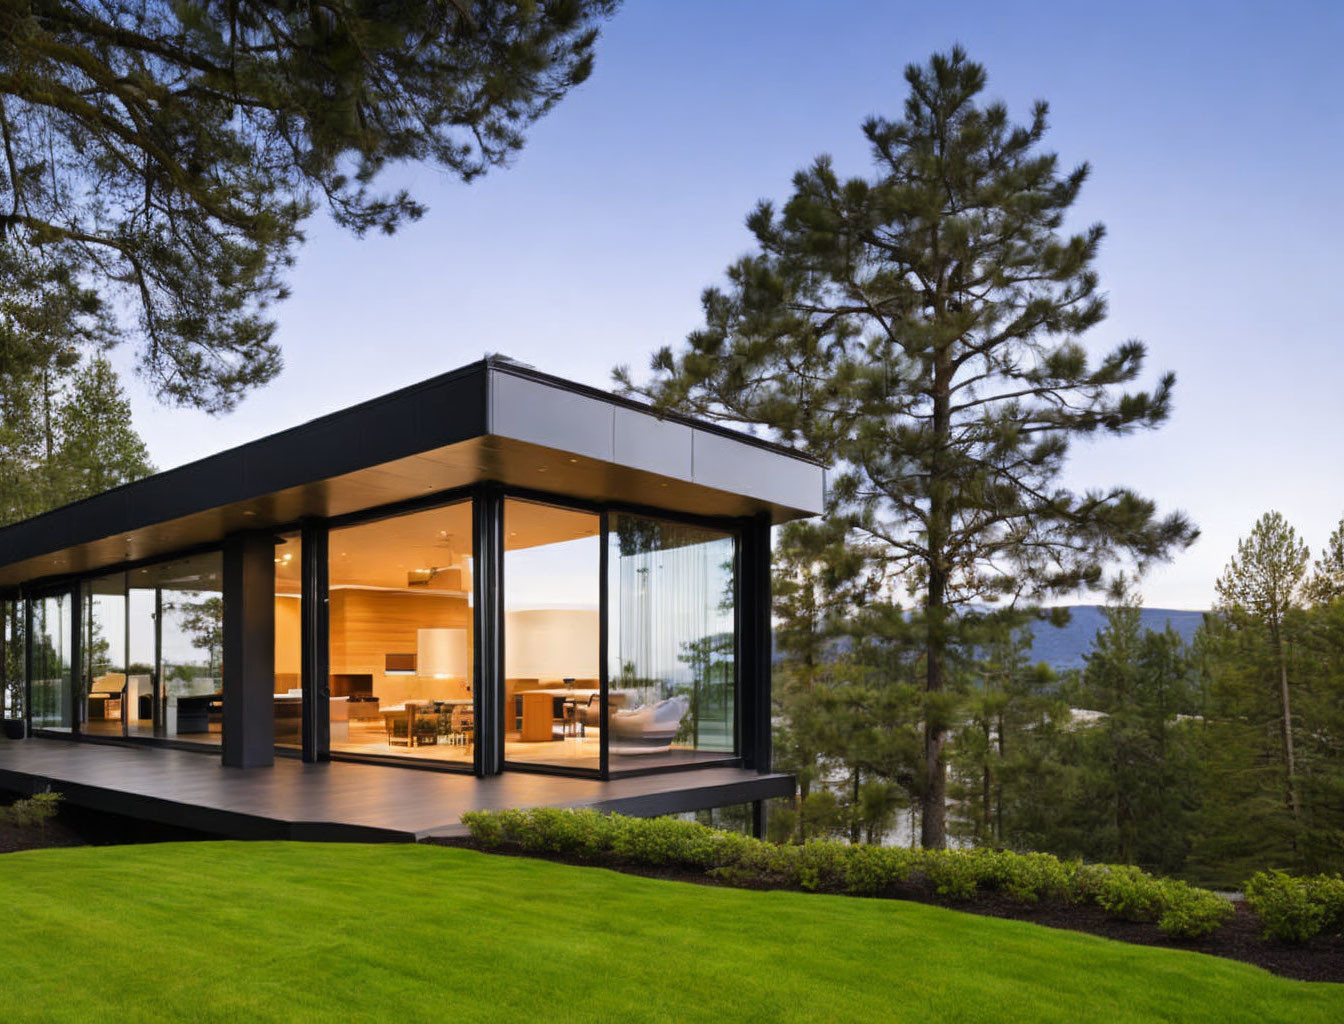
{"points": [[1209, 759]]}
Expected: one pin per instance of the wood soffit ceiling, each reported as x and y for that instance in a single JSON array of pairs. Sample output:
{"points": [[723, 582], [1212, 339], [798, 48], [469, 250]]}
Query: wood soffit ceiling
{"points": [[486, 422]]}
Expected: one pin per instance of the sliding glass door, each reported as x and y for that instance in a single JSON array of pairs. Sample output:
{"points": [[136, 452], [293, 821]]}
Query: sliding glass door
{"points": [[552, 639], [108, 699], [671, 642], [402, 637], [151, 652], [52, 678]]}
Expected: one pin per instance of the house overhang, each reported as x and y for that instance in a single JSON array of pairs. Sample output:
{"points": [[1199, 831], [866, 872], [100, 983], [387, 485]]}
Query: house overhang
{"points": [[493, 420]]}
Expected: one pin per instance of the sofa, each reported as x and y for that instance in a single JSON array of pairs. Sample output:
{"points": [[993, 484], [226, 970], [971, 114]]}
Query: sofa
{"points": [[648, 728]]}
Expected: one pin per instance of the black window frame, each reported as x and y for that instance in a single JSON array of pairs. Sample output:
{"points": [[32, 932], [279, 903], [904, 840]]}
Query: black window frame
{"points": [[487, 498]]}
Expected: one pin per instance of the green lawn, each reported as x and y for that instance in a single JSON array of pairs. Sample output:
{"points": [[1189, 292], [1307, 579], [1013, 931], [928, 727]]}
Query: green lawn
{"points": [[308, 932]]}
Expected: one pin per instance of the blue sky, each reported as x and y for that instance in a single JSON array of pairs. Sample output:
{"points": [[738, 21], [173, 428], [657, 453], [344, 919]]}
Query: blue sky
{"points": [[1216, 138]]}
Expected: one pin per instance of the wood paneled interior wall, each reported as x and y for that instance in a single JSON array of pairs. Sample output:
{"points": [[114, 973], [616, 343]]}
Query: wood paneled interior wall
{"points": [[368, 625], [288, 651]]}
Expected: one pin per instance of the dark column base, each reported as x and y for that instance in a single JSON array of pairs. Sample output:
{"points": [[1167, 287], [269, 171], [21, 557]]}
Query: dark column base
{"points": [[758, 816], [249, 649]]}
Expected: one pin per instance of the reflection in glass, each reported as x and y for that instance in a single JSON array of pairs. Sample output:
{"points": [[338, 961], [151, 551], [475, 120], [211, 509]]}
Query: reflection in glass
{"points": [[191, 604], [672, 669], [402, 648], [52, 681], [105, 705], [143, 707], [552, 691], [11, 619]]}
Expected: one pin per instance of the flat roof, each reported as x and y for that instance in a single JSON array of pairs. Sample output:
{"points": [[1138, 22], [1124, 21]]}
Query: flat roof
{"points": [[493, 420]]}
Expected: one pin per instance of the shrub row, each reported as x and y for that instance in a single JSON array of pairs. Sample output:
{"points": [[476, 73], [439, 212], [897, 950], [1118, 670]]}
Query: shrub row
{"points": [[34, 811], [1123, 892], [1296, 909]]}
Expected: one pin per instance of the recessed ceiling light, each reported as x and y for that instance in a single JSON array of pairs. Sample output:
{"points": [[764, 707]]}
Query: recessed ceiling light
{"points": [[541, 469], [248, 512], [573, 460]]}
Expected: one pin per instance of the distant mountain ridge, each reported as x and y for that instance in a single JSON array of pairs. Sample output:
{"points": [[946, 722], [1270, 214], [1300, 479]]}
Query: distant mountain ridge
{"points": [[1066, 647]]}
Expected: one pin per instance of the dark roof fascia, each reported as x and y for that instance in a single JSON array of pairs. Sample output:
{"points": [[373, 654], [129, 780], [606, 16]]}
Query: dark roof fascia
{"points": [[259, 467], [233, 465], [259, 443]]}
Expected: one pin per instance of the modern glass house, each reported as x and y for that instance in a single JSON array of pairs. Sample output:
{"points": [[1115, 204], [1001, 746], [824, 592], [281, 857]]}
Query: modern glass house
{"points": [[494, 570]]}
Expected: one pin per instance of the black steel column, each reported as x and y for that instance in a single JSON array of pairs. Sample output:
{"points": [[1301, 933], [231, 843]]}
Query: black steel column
{"points": [[487, 545], [759, 824], [754, 644], [249, 649], [77, 705], [160, 720], [28, 665], [603, 640], [315, 633]]}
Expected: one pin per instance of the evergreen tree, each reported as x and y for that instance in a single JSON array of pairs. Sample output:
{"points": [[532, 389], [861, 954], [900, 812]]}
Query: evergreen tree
{"points": [[65, 434], [1260, 588], [165, 154], [920, 331], [98, 448], [810, 565], [1320, 755], [1139, 756], [1327, 578], [1008, 700], [838, 694]]}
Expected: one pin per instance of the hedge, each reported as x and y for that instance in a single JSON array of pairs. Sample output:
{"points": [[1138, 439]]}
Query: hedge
{"points": [[1123, 892], [1297, 909]]}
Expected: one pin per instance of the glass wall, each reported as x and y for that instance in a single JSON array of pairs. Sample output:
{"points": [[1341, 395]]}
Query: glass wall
{"points": [[107, 699], [11, 621], [402, 637], [402, 642], [144, 706], [552, 582], [288, 641], [52, 679], [671, 643], [191, 646]]}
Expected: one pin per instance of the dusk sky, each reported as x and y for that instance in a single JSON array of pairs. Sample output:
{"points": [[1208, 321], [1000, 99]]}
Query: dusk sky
{"points": [[1216, 138]]}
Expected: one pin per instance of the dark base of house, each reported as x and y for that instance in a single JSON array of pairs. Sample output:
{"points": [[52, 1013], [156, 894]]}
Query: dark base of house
{"points": [[337, 801]]}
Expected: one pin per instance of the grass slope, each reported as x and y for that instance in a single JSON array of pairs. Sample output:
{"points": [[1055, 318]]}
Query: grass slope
{"points": [[307, 932]]}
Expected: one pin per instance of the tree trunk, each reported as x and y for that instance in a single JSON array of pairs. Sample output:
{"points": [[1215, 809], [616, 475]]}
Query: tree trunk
{"points": [[854, 823], [933, 801], [986, 821], [984, 830], [1290, 768], [998, 792]]}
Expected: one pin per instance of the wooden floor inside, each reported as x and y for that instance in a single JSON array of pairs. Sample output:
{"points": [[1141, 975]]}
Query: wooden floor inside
{"points": [[338, 801]]}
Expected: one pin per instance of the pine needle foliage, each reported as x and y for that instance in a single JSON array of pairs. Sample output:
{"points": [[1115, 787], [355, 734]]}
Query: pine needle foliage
{"points": [[921, 330], [162, 156]]}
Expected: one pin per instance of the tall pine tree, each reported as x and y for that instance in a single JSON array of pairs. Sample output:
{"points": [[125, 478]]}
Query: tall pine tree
{"points": [[1259, 590], [920, 330]]}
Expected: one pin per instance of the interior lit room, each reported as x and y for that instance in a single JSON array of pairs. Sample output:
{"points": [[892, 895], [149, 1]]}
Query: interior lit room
{"points": [[401, 637]]}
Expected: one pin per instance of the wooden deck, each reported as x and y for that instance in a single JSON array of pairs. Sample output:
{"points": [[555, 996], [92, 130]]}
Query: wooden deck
{"points": [[338, 801]]}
